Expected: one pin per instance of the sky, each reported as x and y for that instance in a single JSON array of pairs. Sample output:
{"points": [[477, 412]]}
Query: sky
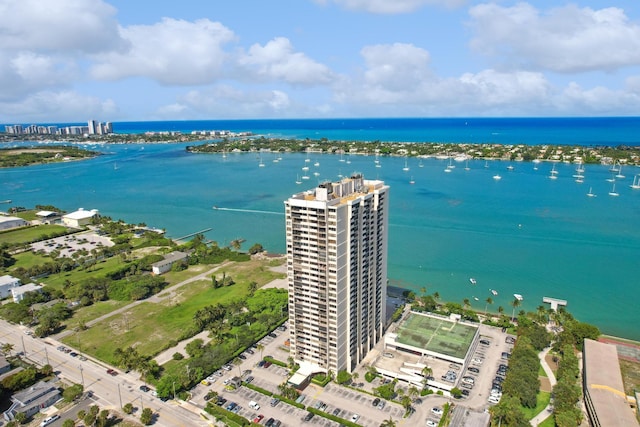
{"points": [[135, 60]]}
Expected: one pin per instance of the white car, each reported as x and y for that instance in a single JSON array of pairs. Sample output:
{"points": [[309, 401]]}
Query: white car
{"points": [[431, 423], [493, 399], [49, 420], [436, 411], [355, 418]]}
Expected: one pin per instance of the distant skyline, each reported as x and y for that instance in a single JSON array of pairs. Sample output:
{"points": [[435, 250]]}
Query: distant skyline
{"points": [[123, 60]]}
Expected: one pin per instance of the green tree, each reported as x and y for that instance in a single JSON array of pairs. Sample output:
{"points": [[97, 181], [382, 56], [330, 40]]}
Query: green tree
{"points": [[71, 393], [488, 301], [343, 377], [68, 423], [6, 349], [146, 417], [128, 408], [515, 304], [388, 423]]}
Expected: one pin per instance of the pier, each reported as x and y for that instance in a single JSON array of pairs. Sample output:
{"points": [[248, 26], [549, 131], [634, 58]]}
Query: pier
{"points": [[554, 302], [193, 234]]}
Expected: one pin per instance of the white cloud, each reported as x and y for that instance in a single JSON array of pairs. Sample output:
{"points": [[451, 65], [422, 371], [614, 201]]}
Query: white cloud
{"points": [[54, 25], [395, 66], [22, 73], [277, 60], [392, 6], [173, 52], [598, 100], [61, 106], [565, 39]]}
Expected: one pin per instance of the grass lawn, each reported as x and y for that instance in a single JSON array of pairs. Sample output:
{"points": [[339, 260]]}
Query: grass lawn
{"points": [[152, 325], [29, 215], [29, 234], [548, 422], [543, 399], [541, 372], [93, 311], [101, 269], [29, 259]]}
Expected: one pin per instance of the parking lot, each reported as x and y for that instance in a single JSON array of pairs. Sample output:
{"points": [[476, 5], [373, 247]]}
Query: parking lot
{"points": [[345, 402], [70, 244]]}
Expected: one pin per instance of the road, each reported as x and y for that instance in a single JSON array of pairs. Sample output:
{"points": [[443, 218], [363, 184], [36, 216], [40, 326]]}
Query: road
{"points": [[110, 392]]}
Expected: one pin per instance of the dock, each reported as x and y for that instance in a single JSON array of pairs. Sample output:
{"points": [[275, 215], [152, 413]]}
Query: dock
{"points": [[193, 234], [555, 303]]}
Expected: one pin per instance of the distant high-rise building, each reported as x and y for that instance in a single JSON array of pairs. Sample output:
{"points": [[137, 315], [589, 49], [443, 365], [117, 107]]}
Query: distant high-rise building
{"points": [[337, 272], [93, 127]]}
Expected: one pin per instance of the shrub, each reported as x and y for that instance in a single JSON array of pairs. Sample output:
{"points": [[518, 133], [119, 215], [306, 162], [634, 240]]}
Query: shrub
{"points": [[128, 409], [177, 356]]}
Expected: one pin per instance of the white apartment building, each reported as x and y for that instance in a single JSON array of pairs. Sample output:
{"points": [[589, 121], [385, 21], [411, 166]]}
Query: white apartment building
{"points": [[337, 272]]}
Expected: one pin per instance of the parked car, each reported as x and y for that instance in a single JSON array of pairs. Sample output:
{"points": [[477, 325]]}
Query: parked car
{"points": [[354, 418], [144, 388], [274, 401], [473, 369], [436, 411], [258, 419], [431, 423], [485, 342], [336, 412], [375, 401], [49, 420], [272, 335], [308, 416], [112, 372]]}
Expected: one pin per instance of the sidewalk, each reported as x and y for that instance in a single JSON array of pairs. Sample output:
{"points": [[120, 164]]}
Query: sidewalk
{"points": [[546, 412]]}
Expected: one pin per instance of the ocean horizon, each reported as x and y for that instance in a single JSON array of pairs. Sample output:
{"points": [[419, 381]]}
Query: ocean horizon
{"points": [[525, 233]]}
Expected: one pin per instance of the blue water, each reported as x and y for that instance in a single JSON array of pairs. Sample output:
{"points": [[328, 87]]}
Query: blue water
{"points": [[524, 234]]}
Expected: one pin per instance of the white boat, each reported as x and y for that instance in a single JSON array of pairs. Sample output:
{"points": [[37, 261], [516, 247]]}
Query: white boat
{"points": [[486, 163], [420, 164], [612, 179], [316, 164], [305, 176], [497, 177], [406, 167], [613, 191], [451, 165], [619, 174], [261, 164], [472, 280], [316, 174], [341, 158], [580, 179], [590, 193], [305, 168], [636, 182], [298, 179], [510, 167], [412, 181], [580, 169], [466, 165], [614, 168], [518, 297], [553, 170], [494, 292]]}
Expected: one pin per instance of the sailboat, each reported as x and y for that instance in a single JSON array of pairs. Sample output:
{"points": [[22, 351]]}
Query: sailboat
{"points": [[115, 166], [613, 191], [406, 167], [261, 164], [451, 165], [298, 179], [614, 168], [619, 175], [466, 165], [412, 181], [590, 193], [420, 165], [497, 177], [636, 182], [554, 172]]}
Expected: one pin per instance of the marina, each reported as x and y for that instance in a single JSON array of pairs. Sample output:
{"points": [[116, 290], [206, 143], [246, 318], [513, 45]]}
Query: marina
{"points": [[521, 234]]}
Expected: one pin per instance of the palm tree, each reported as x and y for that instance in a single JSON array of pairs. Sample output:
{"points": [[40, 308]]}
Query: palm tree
{"points": [[412, 392], [423, 291], [260, 347], [500, 309], [515, 303], [426, 373], [238, 363], [6, 349], [354, 376], [542, 313], [489, 301], [388, 423], [466, 303], [405, 401]]}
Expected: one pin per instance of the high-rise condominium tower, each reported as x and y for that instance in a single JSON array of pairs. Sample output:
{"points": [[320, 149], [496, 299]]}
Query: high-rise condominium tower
{"points": [[337, 272]]}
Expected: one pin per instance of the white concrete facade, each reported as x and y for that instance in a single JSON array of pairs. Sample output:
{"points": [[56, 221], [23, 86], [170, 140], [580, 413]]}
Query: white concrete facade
{"points": [[19, 292], [336, 237], [6, 284], [8, 222], [79, 218]]}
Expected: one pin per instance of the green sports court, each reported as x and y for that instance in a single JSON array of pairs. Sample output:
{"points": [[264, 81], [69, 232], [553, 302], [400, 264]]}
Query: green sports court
{"points": [[437, 335]]}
